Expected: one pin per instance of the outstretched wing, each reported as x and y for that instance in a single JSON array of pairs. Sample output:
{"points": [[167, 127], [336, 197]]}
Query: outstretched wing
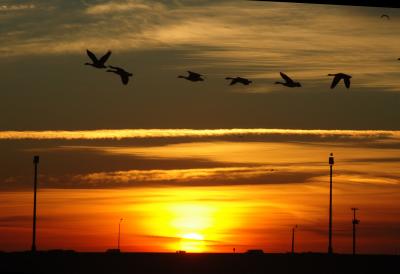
{"points": [[335, 81], [92, 56], [286, 78], [193, 74], [347, 82], [124, 78], [105, 57]]}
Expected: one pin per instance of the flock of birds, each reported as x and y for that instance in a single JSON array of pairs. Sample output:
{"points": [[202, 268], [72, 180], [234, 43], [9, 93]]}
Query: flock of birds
{"points": [[195, 77]]}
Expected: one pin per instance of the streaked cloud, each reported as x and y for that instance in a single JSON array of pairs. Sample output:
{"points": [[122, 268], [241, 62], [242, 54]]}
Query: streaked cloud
{"points": [[307, 41], [16, 7], [123, 6], [173, 133]]}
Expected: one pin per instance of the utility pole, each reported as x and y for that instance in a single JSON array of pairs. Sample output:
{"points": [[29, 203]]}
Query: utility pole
{"points": [[119, 231], [355, 222], [35, 162], [331, 162], [293, 230]]}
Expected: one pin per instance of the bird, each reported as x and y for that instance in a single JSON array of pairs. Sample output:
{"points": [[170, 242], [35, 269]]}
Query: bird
{"points": [[385, 16], [121, 72], [241, 80], [339, 76], [193, 76], [98, 63], [288, 81]]}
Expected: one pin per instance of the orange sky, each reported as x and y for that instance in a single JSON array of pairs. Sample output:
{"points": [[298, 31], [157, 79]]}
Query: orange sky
{"points": [[215, 195]]}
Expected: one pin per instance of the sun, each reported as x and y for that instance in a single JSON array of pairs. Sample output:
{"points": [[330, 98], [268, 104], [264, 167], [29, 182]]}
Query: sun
{"points": [[193, 236], [192, 242]]}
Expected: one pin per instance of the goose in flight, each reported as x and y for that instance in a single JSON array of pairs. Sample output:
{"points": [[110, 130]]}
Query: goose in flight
{"points": [[241, 80], [385, 16], [193, 76], [288, 81], [339, 76], [122, 73], [97, 63]]}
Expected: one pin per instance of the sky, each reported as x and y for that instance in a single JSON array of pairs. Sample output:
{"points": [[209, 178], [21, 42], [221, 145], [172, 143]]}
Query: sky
{"points": [[198, 166]]}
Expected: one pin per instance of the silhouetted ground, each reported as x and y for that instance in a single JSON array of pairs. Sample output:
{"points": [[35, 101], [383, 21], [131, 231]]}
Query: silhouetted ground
{"points": [[160, 263]]}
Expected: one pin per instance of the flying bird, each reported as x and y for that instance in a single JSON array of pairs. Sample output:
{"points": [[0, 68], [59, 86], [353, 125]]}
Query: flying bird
{"points": [[97, 63], [339, 76], [193, 76], [288, 81], [241, 80], [122, 73], [385, 16]]}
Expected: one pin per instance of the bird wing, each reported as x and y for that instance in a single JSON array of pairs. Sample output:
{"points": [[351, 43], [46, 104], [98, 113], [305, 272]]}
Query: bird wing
{"points": [[335, 81], [105, 57], [124, 78], [193, 74], [92, 56], [234, 81], [347, 82], [286, 78]]}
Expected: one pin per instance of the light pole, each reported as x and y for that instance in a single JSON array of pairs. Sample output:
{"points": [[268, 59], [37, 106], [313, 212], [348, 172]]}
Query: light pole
{"points": [[355, 222], [331, 162], [293, 230], [119, 231], [35, 162]]}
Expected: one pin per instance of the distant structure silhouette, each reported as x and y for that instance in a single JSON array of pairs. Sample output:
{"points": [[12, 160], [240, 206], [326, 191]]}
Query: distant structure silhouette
{"points": [[288, 81], [121, 72], [331, 163], [193, 76], [385, 16], [35, 162], [293, 231], [339, 76], [240, 80], [119, 232], [97, 63], [355, 222]]}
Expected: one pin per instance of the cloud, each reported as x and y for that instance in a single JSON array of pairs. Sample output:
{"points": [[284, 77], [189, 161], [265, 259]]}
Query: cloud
{"points": [[176, 133], [16, 7], [116, 7], [256, 38], [216, 176]]}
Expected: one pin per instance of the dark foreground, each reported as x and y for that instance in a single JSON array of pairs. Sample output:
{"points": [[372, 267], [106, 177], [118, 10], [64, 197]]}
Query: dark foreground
{"points": [[160, 263]]}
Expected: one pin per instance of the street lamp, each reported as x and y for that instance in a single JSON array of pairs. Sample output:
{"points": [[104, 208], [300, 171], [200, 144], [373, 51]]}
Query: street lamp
{"points": [[119, 231], [355, 222], [293, 230], [35, 162], [331, 162]]}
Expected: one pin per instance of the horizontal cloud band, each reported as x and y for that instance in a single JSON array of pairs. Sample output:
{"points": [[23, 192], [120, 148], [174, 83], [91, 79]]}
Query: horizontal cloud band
{"points": [[173, 133]]}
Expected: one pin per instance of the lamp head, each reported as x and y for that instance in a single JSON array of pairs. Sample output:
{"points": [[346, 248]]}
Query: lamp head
{"points": [[331, 159], [35, 159]]}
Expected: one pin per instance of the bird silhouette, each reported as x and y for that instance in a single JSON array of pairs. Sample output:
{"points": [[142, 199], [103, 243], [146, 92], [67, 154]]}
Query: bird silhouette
{"points": [[288, 81], [193, 76], [97, 63], [385, 16], [241, 80], [122, 73], [339, 76]]}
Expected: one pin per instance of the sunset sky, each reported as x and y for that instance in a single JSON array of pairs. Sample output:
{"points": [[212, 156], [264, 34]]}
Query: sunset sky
{"points": [[198, 166]]}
